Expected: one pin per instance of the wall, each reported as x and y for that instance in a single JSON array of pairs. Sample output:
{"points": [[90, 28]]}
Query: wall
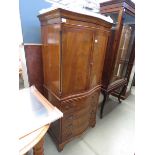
{"points": [[31, 50], [29, 9]]}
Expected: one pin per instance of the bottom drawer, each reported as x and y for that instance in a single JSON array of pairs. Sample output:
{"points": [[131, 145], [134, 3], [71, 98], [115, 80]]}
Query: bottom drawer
{"points": [[76, 124]]}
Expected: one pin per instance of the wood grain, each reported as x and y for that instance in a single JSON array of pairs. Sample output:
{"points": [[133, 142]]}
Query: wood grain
{"points": [[73, 58]]}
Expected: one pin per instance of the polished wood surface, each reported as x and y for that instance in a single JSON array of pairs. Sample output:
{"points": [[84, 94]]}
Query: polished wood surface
{"points": [[33, 55], [77, 17], [39, 149], [51, 53], [98, 57], [115, 5], [76, 51], [74, 48]]}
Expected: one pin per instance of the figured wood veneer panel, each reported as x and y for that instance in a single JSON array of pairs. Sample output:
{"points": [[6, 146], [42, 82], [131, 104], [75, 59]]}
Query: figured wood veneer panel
{"points": [[51, 58], [76, 49], [98, 57]]}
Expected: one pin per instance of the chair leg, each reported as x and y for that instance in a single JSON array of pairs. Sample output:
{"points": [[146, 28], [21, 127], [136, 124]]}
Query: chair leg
{"points": [[119, 97], [103, 103]]}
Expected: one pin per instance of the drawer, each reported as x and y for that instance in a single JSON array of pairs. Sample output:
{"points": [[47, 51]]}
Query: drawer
{"points": [[81, 124], [78, 114], [74, 105], [67, 119], [82, 104], [84, 112], [75, 127], [76, 122]]}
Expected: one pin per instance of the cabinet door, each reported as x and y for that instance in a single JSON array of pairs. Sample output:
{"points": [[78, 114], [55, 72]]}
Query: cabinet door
{"points": [[124, 52], [98, 57], [76, 50], [51, 58]]}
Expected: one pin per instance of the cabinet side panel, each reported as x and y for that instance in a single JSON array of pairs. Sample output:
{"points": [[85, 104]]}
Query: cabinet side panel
{"points": [[55, 127], [76, 49], [51, 58]]}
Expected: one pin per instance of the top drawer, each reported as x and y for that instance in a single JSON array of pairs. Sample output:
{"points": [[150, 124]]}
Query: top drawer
{"points": [[74, 105]]}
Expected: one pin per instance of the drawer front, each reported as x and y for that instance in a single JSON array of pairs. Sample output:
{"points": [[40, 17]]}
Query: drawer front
{"points": [[73, 125], [74, 105], [80, 124], [79, 114], [76, 117]]}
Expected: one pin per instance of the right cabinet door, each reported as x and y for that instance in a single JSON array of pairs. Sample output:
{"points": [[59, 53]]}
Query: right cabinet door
{"points": [[98, 57]]}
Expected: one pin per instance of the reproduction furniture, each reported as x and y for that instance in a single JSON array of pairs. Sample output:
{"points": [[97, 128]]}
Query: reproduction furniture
{"points": [[120, 54], [121, 59], [74, 47]]}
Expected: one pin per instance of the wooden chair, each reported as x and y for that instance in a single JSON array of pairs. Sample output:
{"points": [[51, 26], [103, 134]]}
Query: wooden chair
{"points": [[121, 83]]}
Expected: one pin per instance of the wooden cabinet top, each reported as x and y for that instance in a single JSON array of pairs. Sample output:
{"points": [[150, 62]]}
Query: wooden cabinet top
{"points": [[113, 5], [120, 2], [62, 13]]}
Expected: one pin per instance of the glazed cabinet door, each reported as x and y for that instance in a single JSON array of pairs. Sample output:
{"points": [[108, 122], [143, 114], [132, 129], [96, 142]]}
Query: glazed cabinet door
{"points": [[51, 58], [76, 52], [98, 57]]}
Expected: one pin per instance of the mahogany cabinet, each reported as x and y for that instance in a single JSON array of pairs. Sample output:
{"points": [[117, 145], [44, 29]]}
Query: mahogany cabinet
{"points": [[123, 50], [74, 47]]}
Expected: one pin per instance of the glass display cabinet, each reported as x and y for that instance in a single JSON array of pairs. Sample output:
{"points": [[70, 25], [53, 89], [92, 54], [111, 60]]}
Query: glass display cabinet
{"points": [[123, 14]]}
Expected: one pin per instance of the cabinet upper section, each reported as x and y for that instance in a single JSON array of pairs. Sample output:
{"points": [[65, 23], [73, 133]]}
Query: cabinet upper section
{"points": [[74, 49], [60, 15]]}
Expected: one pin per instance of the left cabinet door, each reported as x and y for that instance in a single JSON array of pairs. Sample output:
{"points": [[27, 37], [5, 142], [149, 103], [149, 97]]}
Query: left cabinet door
{"points": [[51, 57], [76, 52]]}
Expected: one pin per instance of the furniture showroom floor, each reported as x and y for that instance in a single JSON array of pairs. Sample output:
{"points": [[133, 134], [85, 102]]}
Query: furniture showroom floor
{"points": [[112, 135]]}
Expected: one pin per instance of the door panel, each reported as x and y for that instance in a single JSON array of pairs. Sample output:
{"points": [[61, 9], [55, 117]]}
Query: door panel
{"points": [[98, 56], [76, 50]]}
